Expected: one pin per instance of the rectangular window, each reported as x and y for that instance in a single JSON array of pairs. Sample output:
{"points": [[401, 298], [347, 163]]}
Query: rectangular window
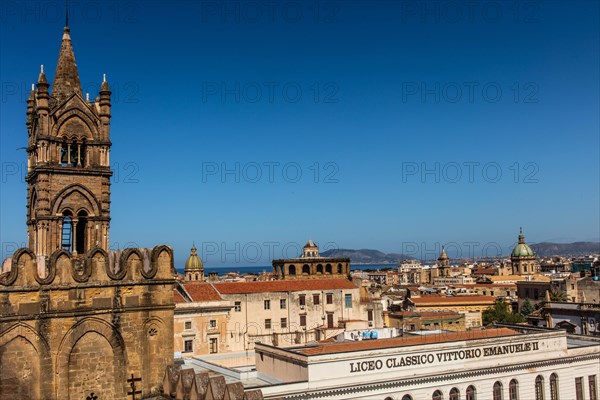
{"points": [[316, 299], [238, 306], [579, 389], [593, 387], [268, 323], [188, 346], [212, 323], [348, 300], [267, 304], [330, 320], [329, 297], [284, 323], [302, 299], [369, 315], [303, 320], [213, 345], [282, 304], [188, 324]]}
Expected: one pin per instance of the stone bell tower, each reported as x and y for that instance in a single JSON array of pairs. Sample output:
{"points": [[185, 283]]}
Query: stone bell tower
{"points": [[77, 320], [68, 180]]}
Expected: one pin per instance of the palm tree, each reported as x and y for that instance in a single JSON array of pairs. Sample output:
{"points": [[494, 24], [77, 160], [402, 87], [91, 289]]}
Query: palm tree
{"points": [[558, 295]]}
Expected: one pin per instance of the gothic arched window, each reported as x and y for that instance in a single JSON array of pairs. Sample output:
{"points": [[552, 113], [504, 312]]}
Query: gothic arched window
{"points": [[81, 228], [67, 231]]}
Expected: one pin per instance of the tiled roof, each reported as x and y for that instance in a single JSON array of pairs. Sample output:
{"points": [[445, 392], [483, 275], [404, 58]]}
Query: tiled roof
{"points": [[425, 314], [452, 299], [506, 278], [486, 285], [283, 286], [177, 298], [342, 347], [202, 291]]}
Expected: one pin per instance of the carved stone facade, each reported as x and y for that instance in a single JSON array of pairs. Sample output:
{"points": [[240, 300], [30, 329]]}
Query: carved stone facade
{"points": [[78, 320]]}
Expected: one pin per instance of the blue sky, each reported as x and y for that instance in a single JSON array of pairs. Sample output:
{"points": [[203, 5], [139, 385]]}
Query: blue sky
{"points": [[249, 127]]}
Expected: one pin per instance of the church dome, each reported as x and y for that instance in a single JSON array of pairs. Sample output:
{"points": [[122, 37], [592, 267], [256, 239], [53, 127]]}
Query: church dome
{"points": [[522, 249], [193, 262], [443, 255]]}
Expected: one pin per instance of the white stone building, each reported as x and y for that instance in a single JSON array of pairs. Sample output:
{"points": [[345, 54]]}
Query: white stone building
{"points": [[495, 364]]}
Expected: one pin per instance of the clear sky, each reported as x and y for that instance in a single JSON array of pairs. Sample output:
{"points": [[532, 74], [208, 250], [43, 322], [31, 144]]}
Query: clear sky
{"points": [[250, 127]]}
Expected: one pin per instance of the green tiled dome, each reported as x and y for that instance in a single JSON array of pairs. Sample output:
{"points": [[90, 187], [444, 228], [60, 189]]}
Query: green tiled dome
{"points": [[522, 249]]}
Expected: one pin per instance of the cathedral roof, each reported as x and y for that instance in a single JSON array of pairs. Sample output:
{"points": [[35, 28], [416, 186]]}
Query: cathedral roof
{"points": [[522, 249], [66, 78], [193, 262]]}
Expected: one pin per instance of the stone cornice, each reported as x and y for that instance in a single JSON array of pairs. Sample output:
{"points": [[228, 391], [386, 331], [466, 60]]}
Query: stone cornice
{"points": [[103, 284], [83, 312]]}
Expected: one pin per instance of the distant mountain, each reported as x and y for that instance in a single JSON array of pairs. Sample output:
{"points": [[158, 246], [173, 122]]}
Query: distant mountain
{"points": [[546, 249], [366, 256]]}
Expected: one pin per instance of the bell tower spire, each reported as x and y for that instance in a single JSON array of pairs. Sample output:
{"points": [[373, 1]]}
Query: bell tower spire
{"points": [[68, 180], [67, 13], [66, 78]]}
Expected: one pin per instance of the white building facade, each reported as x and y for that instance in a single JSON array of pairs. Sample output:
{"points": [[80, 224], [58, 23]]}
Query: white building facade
{"points": [[494, 364]]}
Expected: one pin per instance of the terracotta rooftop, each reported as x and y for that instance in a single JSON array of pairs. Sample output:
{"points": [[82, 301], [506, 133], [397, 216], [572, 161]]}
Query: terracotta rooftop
{"points": [[452, 299], [485, 285], [202, 291], [283, 286], [342, 347], [426, 314], [177, 298]]}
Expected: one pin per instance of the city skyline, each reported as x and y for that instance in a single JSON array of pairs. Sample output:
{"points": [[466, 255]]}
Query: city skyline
{"points": [[235, 129]]}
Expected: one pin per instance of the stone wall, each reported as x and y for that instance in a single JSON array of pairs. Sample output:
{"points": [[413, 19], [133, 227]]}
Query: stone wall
{"points": [[86, 323]]}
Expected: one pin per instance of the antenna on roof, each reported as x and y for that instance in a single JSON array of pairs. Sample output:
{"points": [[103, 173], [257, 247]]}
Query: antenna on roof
{"points": [[67, 13]]}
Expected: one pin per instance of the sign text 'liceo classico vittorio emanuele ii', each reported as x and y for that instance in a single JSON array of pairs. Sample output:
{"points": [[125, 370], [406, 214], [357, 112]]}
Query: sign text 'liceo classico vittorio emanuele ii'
{"points": [[448, 356]]}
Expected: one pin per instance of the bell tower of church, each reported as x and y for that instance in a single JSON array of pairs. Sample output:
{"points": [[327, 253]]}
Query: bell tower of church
{"points": [[68, 179]]}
